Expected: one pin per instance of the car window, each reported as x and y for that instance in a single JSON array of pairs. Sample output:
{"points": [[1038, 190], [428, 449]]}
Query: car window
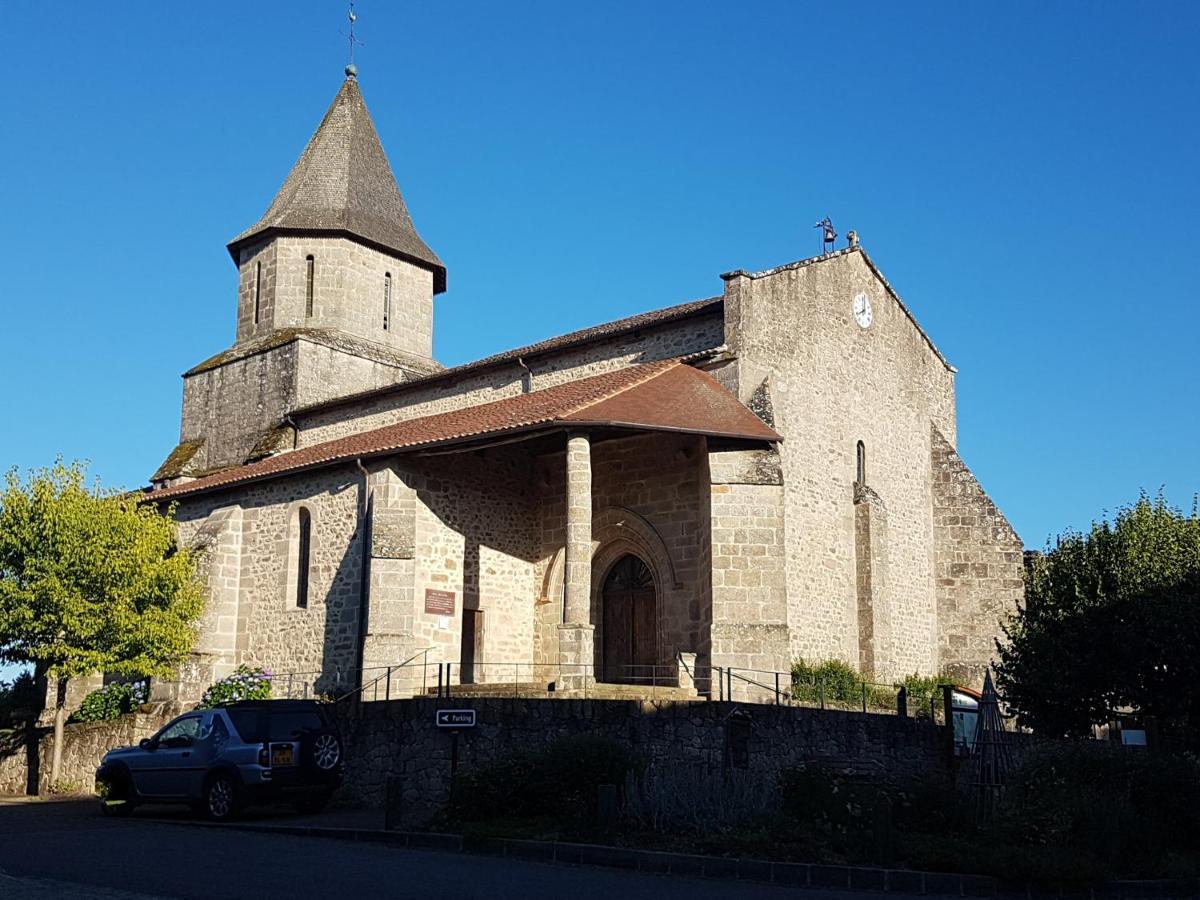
{"points": [[293, 723], [262, 723], [189, 726], [250, 723]]}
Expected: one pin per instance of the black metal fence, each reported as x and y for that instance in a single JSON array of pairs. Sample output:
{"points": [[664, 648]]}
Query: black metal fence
{"points": [[681, 680]]}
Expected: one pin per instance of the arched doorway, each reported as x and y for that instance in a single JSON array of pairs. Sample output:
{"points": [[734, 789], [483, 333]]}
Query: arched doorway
{"points": [[630, 622]]}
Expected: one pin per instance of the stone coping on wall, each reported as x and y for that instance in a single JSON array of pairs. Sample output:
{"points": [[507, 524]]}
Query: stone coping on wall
{"points": [[798, 875]]}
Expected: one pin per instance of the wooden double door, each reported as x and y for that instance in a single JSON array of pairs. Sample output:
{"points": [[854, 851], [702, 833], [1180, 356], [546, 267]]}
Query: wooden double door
{"points": [[630, 623]]}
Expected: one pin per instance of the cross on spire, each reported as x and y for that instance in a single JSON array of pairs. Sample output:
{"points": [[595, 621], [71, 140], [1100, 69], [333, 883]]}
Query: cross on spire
{"points": [[352, 16]]}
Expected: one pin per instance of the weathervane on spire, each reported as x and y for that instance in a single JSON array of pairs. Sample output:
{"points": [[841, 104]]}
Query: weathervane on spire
{"points": [[352, 69]]}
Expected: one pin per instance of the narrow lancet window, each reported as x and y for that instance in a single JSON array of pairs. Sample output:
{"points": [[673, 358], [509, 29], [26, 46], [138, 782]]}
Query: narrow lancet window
{"points": [[257, 290], [387, 301], [860, 468], [308, 286], [302, 558]]}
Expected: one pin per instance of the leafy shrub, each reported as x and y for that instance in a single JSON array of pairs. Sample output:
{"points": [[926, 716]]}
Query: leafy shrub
{"points": [[695, 800], [1015, 865], [111, 702], [531, 782], [838, 684], [245, 683], [923, 692], [18, 699], [66, 787], [829, 795], [1106, 801]]}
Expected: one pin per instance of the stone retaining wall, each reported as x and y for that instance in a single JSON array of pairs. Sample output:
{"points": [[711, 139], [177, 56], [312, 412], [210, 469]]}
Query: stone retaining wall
{"points": [[401, 738], [83, 746]]}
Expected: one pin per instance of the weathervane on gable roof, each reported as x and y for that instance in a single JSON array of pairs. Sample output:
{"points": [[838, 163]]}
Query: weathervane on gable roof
{"points": [[352, 69]]}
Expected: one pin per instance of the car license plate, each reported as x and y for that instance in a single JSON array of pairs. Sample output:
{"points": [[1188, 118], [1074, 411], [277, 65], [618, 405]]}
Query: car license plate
{"points": [[282, 756]]}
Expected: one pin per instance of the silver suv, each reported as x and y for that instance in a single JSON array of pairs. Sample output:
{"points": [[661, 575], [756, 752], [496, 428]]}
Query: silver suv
{"points": [[221, 760]]}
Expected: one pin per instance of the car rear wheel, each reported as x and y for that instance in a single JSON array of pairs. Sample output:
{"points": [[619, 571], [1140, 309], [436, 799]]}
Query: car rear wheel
{"points": [[324, 751], [221, 798]]}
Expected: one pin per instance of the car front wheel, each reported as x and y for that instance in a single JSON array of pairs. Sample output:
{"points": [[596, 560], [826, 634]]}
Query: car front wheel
{"points": [[116, 794], [221, 798]]}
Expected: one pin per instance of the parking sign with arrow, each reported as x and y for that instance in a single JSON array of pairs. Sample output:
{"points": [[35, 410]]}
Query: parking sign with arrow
{"points": [[455, 718]]}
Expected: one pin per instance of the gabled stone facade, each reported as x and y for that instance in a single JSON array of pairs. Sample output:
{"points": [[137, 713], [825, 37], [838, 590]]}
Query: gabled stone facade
{"points": [[727, 484]]}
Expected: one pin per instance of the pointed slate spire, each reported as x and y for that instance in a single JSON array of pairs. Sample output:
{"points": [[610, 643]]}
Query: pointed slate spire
{"points": [[342, 184]]}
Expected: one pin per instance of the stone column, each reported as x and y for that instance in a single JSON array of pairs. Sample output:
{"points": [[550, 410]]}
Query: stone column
{"points": [[576, 634], [391, 595], [870, 562]]}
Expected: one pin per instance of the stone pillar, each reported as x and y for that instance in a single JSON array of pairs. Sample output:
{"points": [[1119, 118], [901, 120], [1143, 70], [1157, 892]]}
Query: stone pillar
{"points": [[576, 635], [222, 635], [870, 561], [749, 615], [391, 597]]}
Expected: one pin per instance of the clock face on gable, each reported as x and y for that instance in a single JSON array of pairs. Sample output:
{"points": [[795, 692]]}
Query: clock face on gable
{"points": [[862, 310]]}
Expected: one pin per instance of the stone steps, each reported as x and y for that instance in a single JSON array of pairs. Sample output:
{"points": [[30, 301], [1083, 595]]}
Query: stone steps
{"points": [[496, 689], [600, 691]]}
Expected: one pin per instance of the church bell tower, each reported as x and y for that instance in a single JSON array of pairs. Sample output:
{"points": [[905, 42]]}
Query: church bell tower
{"points": [[335, 296]]}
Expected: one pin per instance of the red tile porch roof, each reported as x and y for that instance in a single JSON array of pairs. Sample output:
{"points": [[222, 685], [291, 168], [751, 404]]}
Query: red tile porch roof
{"points": [[666, 395]]}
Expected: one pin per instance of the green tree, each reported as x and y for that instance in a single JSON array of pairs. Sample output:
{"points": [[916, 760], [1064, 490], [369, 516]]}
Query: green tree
{"points": [[1110, 621], [91, 581]]}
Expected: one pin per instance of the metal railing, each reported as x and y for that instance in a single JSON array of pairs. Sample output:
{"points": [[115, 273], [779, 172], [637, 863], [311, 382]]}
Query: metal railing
{"points": [[379, 682], [679, 680]]}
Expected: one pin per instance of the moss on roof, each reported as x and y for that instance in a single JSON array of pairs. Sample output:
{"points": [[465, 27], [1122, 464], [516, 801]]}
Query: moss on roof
{"points": [[177, 461], [328, 337], [274, 440]]}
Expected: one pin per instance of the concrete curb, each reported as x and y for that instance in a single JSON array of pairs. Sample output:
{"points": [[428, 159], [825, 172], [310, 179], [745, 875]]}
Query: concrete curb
{"points": [[799, 875]]}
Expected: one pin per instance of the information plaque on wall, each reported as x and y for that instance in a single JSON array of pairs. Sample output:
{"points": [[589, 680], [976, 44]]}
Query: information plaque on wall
{"points": [[439, 603]]}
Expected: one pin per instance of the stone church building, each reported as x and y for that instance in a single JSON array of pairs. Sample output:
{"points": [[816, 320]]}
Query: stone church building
{"points": [[743, 480]]}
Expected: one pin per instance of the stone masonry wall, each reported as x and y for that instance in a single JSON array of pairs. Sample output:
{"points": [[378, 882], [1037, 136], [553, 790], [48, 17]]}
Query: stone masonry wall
{"points": [[471, 388], [832, 384], [83, 746], [400, 738], [749, 628], [348, 292], [979, 564], [232, 405], [476, 536], [272, 630]]}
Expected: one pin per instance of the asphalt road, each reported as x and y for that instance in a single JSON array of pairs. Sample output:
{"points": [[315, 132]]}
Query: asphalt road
{"points": [[67, 851]]}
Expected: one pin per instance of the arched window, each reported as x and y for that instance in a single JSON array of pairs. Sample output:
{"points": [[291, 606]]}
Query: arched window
{"points": [[387, 300], [304, 545], [860, 463], [308, 285], [257, 289]]}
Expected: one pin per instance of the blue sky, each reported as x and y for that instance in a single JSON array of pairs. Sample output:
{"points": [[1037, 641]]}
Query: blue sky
{"points": [[1023, 173]]}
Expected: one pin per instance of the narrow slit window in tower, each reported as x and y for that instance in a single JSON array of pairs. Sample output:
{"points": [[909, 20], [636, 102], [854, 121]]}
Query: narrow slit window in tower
{"points": [[387, 300], [308, 285], [257, 289], [860, 469]]}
